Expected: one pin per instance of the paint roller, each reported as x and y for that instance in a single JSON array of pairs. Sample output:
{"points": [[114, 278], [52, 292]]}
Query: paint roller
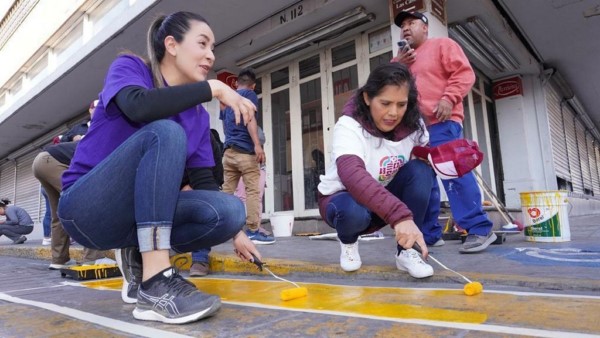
{"points": [[470, 289], [287, 294]]}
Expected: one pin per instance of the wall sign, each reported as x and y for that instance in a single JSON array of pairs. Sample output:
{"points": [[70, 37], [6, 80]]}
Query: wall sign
{"points": [[511, 86], [230, 79], [397, 6], [438, 9]]}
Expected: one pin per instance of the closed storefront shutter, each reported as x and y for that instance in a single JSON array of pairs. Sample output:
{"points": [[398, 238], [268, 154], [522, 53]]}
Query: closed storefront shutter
{"points": [[28, 188], [583, 155], [593, 155], [559, 145], [7, 180], [572, 149]]}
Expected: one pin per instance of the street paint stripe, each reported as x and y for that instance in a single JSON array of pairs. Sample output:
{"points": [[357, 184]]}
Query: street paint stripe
{"points": [[507, 292], [512, 330], [134, 329]]}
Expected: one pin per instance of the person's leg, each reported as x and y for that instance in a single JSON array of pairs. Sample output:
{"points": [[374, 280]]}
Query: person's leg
{"points": [[47, 221], [464, 196], [231, 175], [240, 191], [15, 232], [204, 219], [49, 172], [463, 192], [200, 264], [137, 185], [350, 220], [414, 185]]}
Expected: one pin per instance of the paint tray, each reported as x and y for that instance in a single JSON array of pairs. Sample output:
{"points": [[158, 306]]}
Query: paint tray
{"points": [[87, 272]]}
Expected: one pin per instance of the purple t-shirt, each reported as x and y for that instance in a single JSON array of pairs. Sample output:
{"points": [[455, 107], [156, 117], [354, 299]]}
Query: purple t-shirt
{"points": [[110, 127]]}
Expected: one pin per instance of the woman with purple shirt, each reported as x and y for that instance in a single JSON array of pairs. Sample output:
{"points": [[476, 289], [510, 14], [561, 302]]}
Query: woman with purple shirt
{"points": [[148, 128], [373, 179]]}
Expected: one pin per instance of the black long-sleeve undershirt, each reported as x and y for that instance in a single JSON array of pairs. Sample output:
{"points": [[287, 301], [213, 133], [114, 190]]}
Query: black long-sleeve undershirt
{"points": [[140, 104]]}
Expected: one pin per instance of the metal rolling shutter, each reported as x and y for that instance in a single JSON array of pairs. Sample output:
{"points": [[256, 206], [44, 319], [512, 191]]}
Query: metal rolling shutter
{"points": [[559, 145], [593, 156], [7, 180], [583, 154], [28, 188], [572, 151]]}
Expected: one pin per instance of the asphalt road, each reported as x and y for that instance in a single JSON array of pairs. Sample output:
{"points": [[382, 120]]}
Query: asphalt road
{"points": [[36, 302]]}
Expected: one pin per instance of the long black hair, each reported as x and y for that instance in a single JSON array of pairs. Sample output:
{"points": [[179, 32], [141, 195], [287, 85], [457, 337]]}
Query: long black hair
{"points": [[394, 74], [175, 25]]}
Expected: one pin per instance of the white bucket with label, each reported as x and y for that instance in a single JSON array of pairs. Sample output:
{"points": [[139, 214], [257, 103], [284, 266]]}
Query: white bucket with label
{"points": [[282, 225], [546, 216]]}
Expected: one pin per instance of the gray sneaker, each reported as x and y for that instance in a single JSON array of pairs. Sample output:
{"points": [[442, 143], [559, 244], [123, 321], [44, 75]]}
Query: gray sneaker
{"points": [[129, 261], [20, 240], [173, 300], [476, 243]]}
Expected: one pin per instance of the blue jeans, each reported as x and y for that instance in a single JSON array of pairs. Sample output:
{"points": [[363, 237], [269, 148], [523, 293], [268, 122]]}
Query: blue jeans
{"points": [[463, 192], [47, 221], [200, 256], [412, 185], [132, 198]]}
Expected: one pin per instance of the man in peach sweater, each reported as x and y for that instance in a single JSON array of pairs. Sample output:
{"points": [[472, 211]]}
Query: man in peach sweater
{"points": [[444, 77]]}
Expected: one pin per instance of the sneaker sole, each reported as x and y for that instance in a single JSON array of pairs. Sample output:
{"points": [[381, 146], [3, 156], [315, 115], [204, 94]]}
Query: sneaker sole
{"points": [[402, 268], [262, 242], [125, 286], [481, 247], [150, 315]]}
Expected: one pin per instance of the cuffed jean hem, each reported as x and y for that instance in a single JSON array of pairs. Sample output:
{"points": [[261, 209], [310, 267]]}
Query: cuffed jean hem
{"points": [[154, 237]]}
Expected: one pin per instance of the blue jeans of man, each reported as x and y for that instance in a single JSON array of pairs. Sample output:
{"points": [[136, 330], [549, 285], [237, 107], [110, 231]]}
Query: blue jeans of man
{"points": [[47, 221], [200, 256], [412, 185], [463, 192], [132, 198]]}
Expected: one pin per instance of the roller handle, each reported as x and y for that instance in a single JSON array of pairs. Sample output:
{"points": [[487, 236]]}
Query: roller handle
{"points": [[257, 262]]}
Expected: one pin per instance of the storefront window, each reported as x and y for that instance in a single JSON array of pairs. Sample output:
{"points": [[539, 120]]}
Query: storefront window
{"points": [[379, 59], [312, 140], [345, 81], [282, 151], [343, 53], [309, 67]]}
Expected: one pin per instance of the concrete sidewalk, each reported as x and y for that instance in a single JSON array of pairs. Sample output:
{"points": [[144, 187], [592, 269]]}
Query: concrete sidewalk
{"points": [[570, 266]]}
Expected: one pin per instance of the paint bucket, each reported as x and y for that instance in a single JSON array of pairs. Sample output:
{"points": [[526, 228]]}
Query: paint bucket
{"points": [[546, 216], [282, 225]]}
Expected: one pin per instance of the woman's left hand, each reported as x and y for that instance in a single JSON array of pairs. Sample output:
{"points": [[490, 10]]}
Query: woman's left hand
{"points": [[244, 247]]}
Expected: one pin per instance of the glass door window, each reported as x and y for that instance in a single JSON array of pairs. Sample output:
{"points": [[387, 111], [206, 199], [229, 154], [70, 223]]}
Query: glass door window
{"points": [[345, 80], [282, 143], [312, 128]]}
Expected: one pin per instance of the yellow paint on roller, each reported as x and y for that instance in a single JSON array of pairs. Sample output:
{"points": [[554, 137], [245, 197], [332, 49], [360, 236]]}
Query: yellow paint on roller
{"points": [[294, 293], [473, 288]]}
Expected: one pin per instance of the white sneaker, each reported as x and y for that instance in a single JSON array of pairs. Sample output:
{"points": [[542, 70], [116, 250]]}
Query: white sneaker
{"points": [[46, 241], [410, 260], [350, 258], [55, 266], [440, 242]]}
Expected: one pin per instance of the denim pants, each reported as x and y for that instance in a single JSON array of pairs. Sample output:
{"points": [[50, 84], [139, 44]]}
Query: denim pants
{"points": [[47, 221], [463, 192], [412, 185], [132, 198]]}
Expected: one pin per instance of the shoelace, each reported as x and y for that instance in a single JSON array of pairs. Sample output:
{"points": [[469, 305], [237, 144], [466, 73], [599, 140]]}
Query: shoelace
{"points": [[414, 256], [179, 285], [349, 251]]}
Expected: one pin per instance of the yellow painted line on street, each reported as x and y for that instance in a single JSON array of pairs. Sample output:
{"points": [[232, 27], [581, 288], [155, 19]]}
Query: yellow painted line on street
{"points": [[502, 312]]}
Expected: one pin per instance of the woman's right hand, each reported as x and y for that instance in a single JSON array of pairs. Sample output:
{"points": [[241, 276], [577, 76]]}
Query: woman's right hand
{"points": [[407, 234], [244, 248], [243, 108]]}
